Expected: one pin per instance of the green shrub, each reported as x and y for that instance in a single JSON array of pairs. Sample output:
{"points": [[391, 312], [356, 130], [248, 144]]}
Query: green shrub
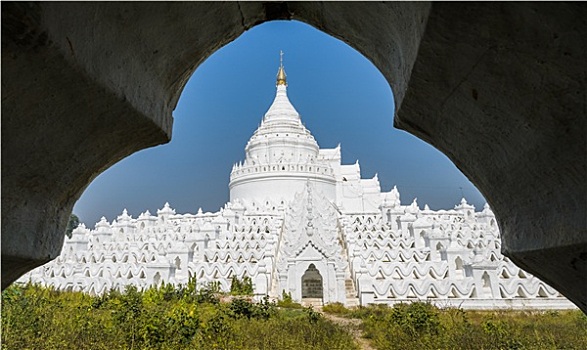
{"points": [[312, 315], [415, 318], [336, 309], [208, 294], [127, 312], [265, 309], [287, 302], [241, 287], [242, 308]]}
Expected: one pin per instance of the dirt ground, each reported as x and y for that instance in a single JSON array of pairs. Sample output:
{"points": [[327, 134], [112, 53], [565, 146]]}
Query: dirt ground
{"points": [[354, 327]]}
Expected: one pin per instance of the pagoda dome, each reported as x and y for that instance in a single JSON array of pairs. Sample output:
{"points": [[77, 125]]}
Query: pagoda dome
{"points": [[280, 155], [281, 135]]}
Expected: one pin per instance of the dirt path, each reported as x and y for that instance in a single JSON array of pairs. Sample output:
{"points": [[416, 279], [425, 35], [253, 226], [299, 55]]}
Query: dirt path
{"points": [[354, 327]]}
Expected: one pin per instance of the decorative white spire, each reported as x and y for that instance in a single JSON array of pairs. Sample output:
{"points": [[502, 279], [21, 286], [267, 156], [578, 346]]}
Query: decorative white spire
{"points": [[124, 217], [464, 205], [166, 210]]}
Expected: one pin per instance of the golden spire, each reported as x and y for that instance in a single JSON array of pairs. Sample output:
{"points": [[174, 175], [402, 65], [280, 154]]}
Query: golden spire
{"points": [[281, 76]]}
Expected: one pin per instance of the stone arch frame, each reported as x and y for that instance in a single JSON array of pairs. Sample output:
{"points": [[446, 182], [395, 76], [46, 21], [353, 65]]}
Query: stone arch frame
{"points": [[301, 267], [448, 53]]}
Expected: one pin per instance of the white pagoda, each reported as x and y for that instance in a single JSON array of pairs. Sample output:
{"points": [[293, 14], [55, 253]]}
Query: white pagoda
{"points": [[301, 222]]}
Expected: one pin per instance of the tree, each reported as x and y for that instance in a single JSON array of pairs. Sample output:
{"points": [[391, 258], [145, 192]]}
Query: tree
{"points": [[71, 225]]}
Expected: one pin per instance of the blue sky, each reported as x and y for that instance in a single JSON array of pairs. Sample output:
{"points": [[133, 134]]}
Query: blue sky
{"points": [[341, 96]]}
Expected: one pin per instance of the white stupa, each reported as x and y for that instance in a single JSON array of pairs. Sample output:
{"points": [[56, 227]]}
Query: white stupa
{"points": [[299, 221]]}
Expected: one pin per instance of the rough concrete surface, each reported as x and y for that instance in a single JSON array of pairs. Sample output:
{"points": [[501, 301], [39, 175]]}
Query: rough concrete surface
{"points": [[498, 87]]}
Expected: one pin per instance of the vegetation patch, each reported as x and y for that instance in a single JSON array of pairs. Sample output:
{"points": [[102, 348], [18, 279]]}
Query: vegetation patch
{"points": [[287, 302], [336, 309], [165, 317], [421, 325], [185, 317]]}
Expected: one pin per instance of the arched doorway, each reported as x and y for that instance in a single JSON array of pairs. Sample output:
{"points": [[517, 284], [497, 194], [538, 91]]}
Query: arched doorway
{"points": [[312, 284], [157, 279], [487, 291], [459, 269]]}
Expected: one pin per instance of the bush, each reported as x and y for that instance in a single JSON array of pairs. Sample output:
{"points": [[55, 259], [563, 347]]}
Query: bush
{"points": [[287, 302], [241, 287], [208, 294], [313, 316], [336, 309], [242, 308], [415, 318], [265, 309]]}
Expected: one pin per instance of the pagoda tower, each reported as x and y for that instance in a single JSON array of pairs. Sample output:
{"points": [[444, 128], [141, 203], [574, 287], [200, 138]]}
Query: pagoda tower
{"points": [[280, 157]]}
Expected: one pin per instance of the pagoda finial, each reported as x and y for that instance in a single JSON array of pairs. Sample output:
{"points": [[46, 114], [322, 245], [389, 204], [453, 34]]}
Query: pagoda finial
{"points": [[281, 76], [280, 58]]}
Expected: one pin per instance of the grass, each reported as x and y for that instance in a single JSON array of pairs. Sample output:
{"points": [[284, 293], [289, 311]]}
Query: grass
{"points": [[423, 326], [167, 317], [35, 317]]}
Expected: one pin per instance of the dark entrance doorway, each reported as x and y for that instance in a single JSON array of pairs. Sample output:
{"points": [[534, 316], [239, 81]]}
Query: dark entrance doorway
{"points": [[312, 283]]}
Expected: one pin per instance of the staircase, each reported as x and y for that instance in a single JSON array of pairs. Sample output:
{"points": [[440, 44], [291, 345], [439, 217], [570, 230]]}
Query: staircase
{"points": [[314, 302], [351, 293]]}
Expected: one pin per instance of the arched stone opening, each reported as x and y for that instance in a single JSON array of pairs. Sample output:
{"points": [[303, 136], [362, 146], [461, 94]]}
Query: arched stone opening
{"points": [[157, 279], [487, 290], [312, 283], [470, 67], [459, 269]]}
